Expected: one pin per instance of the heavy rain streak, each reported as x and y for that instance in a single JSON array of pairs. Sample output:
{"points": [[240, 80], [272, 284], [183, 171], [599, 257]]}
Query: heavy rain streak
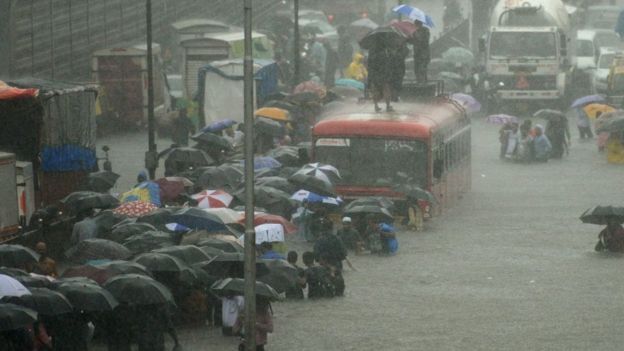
{"points": [[311, 175]]}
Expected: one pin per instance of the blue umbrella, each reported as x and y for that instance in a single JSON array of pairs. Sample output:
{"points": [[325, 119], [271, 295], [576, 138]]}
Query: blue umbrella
{"points": [[196, 218], [414, 14], [468, 102], [585, 100], [265, 162], [351, 83], [218, 126], [175, 227], [308, 196]]}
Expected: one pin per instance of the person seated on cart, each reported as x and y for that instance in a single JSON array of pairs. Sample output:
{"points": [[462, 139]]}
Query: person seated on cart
{"points": [[611, 238]]}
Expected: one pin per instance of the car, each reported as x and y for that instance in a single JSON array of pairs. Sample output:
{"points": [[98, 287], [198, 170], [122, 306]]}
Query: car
{"points": [[603, 66], [585, 50]]}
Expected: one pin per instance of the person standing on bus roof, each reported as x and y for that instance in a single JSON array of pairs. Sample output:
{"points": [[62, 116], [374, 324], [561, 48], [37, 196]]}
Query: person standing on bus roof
{"points": [[422, 53], [380, 72]]}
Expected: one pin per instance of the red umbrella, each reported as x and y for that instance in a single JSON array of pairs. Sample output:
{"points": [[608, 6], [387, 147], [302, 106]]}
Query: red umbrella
{"points": [[406, 27], [265, 218], [170, 189], [135, 209], [213, 199]]}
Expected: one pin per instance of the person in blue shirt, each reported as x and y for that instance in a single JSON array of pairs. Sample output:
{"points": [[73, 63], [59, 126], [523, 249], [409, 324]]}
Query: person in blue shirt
{"points": [[541, 145], [389, 243], [267, 253]]}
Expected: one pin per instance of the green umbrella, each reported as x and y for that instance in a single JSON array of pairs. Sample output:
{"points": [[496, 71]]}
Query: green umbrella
{"points": [[459, 55], [603, 215]]}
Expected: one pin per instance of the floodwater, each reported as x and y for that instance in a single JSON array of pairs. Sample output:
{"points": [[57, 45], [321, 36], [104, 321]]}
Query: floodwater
{"points": [[510, 267]]}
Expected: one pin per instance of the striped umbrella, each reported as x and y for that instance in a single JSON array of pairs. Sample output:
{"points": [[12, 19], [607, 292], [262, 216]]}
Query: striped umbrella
{"points": [[213, 199], [324, 172]]}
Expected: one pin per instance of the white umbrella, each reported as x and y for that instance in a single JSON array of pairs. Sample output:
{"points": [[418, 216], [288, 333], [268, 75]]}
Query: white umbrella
{"points": [[319, 170], [269, 232], [9, 286], [213, 199]]}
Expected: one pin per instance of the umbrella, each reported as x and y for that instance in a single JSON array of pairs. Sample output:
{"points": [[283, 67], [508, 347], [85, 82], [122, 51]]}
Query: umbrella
{"points": [[267, 218], [160, 262], [586, 100], [310, 197], [102, 181], [195, 218], [13, 272], [313, 184], [97, 249], [219, 125], [135, 208], [370, 210], [223, 245], [265, 162], [72, 280], [593, 109], [213, 199], [406, 27], [416, 193], [458, 55], [387, 36], [270, 232], [276, 182], [148, 241], [87, 200], [468, 102], [189, 155], [605, 118], [613, 125], [226, 215], [351, 83], [33, 280], [45, 301], [547, 113], [603, 215], [212, 140], [100, 273], [87, 297], [266, 195], [135, 289], [311, 87], [14, 317], [364, 23], [324, 172], [146, 192], [124, 231], [228, 286], [268, 126], [372, 200], [502, 119], [274, 113], [230, 264], [160, 217], [9, 286], [170, 190], [307, 97], [188, 253], [414, 14], [222, 177], [17, 256], [286, 155], [282, 275], [177, 228]]}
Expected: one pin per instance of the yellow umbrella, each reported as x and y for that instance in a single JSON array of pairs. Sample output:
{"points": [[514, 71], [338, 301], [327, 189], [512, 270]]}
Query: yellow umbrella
{"points": [[274, 113], [592, 109]]}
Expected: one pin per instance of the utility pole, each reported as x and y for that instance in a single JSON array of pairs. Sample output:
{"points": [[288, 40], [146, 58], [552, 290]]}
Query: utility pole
{"points": [[151, 156], [250, 233], [297, 46]]}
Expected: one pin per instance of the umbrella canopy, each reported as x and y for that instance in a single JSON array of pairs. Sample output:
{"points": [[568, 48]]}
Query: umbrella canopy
{"points": [[97, 249], [603, 215], [274, 113], [87, 297], [160, 217], [223, 245], [547, 113], [502, 119], [387, 36], [190, 254], [102, 181], [230, 264], [414, 14], [222, 177], [126, 230], [613, 125], [146, 192], [468, 102], [370, 210], [9, 286], [417, 193], [14, 317], [310, 197], [586, 100], [213, 199], [313, 184], [593, 109], [351, 83], [268, 126], [226, 215], [100, 273], [266, 218], [170, 190], [17, 256], [266, 195], [324, 172], [218, 126], [458, 55], [212, 140], [407, 28], [135, 209], [228, 286], [148, 241], [87, 200], [160, 262], [45, 301], [196, 218], [286, 155], [33, 280], [282, 275], [270, 232], [13, 272], [265, 162], [276, 182], [135, 289], [189, 156]]}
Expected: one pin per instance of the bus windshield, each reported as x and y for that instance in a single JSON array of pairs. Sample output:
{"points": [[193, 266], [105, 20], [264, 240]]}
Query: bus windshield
{"points": [[374, 161], [523, 44]]}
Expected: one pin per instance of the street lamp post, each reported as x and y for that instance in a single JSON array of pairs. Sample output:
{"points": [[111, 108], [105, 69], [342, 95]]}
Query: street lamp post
{"points": [[250, 234], [151, 156]]}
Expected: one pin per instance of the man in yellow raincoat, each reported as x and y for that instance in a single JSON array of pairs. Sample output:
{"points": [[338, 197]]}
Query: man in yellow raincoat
{"points": [[357, 70]]}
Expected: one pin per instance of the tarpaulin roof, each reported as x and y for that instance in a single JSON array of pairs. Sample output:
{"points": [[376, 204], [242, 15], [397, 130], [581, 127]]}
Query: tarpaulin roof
{"points": [[9, 93]]}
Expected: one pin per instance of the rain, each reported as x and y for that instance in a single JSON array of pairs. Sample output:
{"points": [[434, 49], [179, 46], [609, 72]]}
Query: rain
{"points": [[311, 175]]}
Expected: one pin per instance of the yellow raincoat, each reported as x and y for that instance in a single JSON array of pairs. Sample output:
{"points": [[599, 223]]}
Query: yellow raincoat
{"points": [[356, 69], [615, 149]]}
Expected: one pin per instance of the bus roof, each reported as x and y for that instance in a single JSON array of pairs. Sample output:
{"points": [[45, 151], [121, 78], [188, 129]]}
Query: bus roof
{"points": [[416, 121]]}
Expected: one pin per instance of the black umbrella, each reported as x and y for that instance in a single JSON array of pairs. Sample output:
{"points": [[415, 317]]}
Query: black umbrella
{"points": [[100, 273], [35, 281], [88, 297], [14, 317], [603, 215], [313, 184], [370, 210], [188, 253], [86, 200], [97, 249], [613, 125], [228, 286], [124, 267], [45, 301], [382, 37], [372, 201], [212, 140], [223, 245], [13, 272], [124, 231], [266, 172], [135, 289], [279, 183], [268, 127], [230, 264], [159, 262], [188, 156], [72, 280], [282, 275], [102, 181], [17, 256], [286, 155], [547, 113], [212, 252], [195, 218], [219, 178], [148, 241], [160, 217]]}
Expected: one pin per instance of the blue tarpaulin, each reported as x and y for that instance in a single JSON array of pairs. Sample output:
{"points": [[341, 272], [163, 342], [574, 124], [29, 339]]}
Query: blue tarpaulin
{"points": [[67, 158]]}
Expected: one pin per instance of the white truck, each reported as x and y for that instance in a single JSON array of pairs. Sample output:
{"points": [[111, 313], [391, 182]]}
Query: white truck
{"points": [[526, 56]]}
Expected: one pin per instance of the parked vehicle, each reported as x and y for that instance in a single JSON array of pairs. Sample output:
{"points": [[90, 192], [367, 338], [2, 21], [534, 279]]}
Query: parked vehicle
{"points": [[603, 67]]}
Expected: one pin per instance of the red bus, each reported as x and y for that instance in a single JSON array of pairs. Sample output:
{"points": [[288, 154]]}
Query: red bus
{"points": [[424, 144]]}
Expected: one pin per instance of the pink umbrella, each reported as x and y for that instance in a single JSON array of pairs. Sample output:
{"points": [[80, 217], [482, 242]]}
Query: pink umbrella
{"points": [[213, 199]]}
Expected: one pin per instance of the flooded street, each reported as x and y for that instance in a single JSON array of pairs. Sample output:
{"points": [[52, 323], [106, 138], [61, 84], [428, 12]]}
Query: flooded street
{"points": [[510, 267]]}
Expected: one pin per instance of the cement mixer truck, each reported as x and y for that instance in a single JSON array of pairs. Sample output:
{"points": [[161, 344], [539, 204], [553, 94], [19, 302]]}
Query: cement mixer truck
{"points": [[526, 56]]}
